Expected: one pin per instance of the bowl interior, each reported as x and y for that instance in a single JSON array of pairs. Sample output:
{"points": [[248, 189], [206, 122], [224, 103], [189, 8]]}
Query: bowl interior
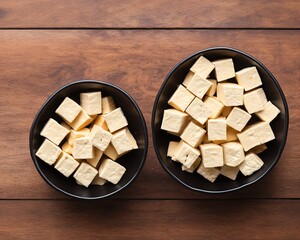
{"points": [[132, 161], [162, 138]]}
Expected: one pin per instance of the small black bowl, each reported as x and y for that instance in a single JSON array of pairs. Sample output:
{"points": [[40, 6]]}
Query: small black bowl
{"points": [[133, 161], [161, 138]]}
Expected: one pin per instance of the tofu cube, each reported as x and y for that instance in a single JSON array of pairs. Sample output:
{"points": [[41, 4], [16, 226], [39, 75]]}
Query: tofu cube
{"points": [[224, 69], [181, 98], [171, 148], [68, 110], [251, 164], [230, 172], [259, 149], [91, 102], [83, 148], [81, 121], [54, 131], [188, 78], [85, 174], [233, 153], [230, 94], [231, 134], [248, 78], [100, 121], [111, 152], [198, 110], [67, 147], [193, 134], [174, 121], [203, 67], [226, 110], [255, 135], [111, 171], [123, 141], [216, 129], [269, 112], [65, 125], [186, 154], [213, 88], [238, 118], [198, 86], [48, 152], [66, 164], [98, 181], [94, 161], [115, 120], [214, 105], [77, 134], [100, 138], [255, 100], [108, 104], [210, 174], [194, 166], [212, 155]]}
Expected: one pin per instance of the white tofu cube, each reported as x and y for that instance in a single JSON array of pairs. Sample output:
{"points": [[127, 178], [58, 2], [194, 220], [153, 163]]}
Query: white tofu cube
{"points": [[213, 88], [85, 174], [181, 98], [91, 102], [231, 134], [214, 105], [248, 78], [67, 147], [171, 148], [238, 118], [198, 86], [100, 121], [188, 78], [48, 152], [100, 138], [65, 125], [83, 148], [226, 110], [216, 129], [193, 167], [108, 105], [224, 69], [77, 134], [66, 164], [230, 172], [198, 110], [115, 120], [255, 135], [54, 131], [174, 121], [111, 152], [251, 164], [269, 112], [123, 141], [193, 134], [111, 171], [230, 94], [186, 154], [81, 121], [258, 149], [233, 153], [255, 100], [68, 110], [210, 174], [212, 155], [94, 161], [203, 67], [98, 181]]}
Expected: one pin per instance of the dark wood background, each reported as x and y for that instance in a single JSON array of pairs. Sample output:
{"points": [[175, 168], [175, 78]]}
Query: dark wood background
{"points": [[134, 44]]}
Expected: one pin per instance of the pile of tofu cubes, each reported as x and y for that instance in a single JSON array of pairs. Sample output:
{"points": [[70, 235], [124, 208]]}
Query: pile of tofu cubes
{"points": [[95, 134], [211, 117]]}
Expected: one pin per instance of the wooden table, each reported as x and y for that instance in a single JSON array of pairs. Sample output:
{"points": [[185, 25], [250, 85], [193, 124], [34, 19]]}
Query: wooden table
{"points": [[134, 44]]}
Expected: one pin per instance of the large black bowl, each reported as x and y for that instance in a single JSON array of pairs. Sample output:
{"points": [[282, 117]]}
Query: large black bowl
{"points": [[133, 161], [162, 138]]}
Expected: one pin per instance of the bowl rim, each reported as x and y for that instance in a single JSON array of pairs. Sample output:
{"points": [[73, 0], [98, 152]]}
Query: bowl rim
{"points": [[48, 100], [285, 130]]}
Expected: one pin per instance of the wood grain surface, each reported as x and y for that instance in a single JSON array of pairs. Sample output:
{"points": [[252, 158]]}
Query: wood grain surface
{"points": [[134, 219], [149, 14], [134, 44]]}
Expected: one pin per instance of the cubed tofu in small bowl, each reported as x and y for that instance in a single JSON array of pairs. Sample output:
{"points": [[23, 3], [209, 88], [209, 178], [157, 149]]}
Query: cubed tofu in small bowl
{"points": [[70, 139], [242, 112]]}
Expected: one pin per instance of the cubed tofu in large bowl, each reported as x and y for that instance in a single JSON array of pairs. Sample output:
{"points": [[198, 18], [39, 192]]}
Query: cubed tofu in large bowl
{"points": [[77, 136], [235, 118]]}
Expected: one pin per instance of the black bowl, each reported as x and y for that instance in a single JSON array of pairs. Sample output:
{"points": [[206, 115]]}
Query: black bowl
{"points": [[279, 125], [133, 161]]}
